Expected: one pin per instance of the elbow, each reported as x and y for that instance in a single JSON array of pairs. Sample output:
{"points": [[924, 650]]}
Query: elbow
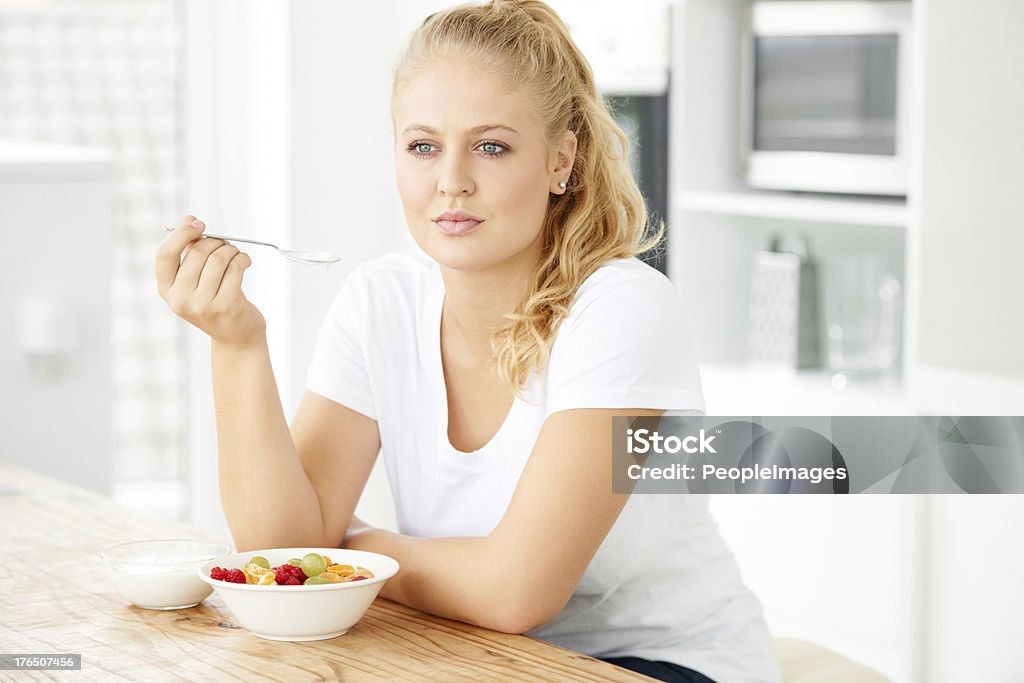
{"points": [[520, 611], [511, 600], [511, 621]]}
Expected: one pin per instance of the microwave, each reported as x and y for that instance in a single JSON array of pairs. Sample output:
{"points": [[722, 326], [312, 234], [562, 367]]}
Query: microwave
{"points": [[826, 96]]}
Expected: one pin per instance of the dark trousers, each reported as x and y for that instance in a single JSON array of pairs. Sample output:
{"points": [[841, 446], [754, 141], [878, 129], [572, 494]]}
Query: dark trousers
{"points": [[662, 671]]}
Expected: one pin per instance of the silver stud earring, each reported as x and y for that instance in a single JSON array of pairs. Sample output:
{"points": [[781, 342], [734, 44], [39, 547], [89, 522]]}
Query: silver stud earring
{"points": [[561, 184]]}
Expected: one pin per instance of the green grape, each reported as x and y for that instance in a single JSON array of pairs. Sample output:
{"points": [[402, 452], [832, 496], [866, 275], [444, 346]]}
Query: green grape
{"points": [[313, 565], [315, 581], [258, 560], [295, 562]]}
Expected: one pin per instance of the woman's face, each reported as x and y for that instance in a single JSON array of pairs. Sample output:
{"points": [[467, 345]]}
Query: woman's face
{"points": [[448, 159]]}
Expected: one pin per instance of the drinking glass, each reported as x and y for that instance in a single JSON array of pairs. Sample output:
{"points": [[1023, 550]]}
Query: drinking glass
{"points": [[863, 316]]}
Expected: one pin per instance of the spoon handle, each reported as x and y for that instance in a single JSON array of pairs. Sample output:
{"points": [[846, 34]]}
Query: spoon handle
{"points": [[232, 239]]}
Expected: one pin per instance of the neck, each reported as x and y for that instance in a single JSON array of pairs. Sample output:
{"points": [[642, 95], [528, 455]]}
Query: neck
{"points": [[476, 301]]}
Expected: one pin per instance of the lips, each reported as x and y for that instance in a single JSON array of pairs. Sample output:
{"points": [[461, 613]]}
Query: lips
{"points": [[458, 222]]}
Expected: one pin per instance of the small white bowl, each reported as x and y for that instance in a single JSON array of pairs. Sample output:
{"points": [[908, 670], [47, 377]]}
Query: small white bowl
{"points": [[161, 574], [300, 613]]}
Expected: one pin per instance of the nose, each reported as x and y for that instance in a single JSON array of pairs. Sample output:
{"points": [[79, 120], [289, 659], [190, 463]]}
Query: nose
{"points": [[455, 178]]}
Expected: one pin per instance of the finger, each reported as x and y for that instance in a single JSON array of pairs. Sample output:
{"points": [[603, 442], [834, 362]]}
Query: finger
{"points": [[231, 284], [213, 272], [168, 254], [193, 263], [195, 241]]}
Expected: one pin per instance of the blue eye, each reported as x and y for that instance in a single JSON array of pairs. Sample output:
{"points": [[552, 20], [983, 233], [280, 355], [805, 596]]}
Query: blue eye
{"points": [[495, 154], [416, 145]]}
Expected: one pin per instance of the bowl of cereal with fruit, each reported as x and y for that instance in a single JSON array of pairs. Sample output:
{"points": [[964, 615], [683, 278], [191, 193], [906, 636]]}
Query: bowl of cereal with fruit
{"points": [[299, 594]]}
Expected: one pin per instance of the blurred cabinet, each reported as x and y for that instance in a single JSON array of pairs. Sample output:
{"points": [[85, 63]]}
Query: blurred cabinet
{"points": [[56, 213], [950, 243]]}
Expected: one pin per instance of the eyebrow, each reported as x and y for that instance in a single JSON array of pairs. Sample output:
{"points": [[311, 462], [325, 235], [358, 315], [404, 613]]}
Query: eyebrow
{"points": [[472, 131]]}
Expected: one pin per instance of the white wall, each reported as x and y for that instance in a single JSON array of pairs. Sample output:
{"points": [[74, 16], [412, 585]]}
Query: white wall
{"points": [[976, 591], [342, 180], [236, 179], [288, 138]]}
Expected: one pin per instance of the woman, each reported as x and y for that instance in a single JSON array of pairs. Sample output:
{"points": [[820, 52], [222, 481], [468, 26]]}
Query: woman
{"points": [[486, 367]]}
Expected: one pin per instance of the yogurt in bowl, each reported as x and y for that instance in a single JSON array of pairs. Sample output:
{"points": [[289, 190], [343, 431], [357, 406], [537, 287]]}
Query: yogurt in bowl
{"points": [[161, 574]]}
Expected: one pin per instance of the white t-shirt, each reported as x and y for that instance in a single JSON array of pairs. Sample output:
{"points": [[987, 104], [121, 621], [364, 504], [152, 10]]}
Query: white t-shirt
{"points": [[663, 585]]}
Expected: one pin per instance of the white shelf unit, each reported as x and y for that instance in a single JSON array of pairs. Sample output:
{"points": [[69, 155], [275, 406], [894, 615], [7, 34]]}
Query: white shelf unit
{"points": [[746, 390], [797, 207], [890, 569], [717, 224], [951, 242]]}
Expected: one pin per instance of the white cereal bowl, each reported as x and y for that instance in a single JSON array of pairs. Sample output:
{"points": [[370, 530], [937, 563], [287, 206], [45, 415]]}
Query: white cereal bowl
{"points": [[161, 574], [301, 613]]}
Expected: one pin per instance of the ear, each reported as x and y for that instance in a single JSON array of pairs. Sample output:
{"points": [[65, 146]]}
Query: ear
{"points": [[562, 162]]}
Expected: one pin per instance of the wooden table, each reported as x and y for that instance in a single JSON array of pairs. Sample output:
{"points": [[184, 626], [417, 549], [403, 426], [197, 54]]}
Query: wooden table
{"points": [[71, 608]]}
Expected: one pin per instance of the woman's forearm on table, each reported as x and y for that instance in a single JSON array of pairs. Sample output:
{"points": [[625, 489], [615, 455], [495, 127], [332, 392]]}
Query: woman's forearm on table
{"points": [[457, 578]]}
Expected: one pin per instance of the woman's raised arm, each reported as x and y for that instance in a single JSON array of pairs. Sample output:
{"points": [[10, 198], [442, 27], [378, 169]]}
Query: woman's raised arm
{"points": [[279, 487]]}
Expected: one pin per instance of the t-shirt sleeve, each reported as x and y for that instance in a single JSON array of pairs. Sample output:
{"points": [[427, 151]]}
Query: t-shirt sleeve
{"points": [[338, 369], [625, 344]]}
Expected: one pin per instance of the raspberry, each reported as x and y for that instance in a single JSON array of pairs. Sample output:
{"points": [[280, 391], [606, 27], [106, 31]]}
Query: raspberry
{"points": [[229, 575], [289, 575]]}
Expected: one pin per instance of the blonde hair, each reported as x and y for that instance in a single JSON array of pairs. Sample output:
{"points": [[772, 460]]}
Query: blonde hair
{"points": [[602, 215]]}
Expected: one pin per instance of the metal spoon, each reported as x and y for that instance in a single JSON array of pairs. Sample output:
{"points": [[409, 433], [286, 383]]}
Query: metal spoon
{"points": [[310, 258]]}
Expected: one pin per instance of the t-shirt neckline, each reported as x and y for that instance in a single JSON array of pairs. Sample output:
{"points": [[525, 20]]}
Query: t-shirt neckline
{"points": [[442, 386]]}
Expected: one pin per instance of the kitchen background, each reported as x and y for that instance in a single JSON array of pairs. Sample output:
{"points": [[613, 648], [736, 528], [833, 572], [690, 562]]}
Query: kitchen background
{"points": [[269, 119]]}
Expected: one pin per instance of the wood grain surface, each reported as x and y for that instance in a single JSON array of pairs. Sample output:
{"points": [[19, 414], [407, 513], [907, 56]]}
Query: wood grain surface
{"points": [[55, 599]]}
